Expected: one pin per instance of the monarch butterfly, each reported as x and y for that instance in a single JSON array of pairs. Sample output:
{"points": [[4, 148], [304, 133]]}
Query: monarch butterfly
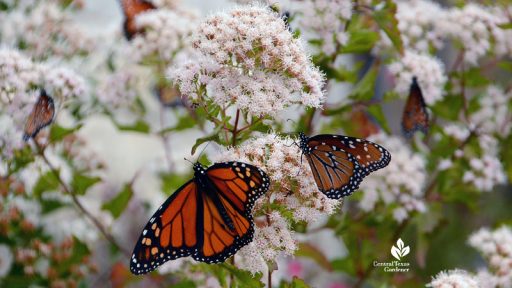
{"points": [[339, 163], [132, 8], [415, 116], [41, 116], [208, 218]]}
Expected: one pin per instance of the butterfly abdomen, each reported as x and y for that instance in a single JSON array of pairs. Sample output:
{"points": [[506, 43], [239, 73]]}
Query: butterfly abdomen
{"points": [[205, 185]]}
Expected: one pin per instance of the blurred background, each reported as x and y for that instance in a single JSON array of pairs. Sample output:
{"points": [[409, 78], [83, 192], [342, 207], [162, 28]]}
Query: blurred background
{"points": [[75, 198]]}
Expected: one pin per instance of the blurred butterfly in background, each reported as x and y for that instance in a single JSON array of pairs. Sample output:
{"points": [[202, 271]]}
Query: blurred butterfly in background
{"points": [[168, 95], [208, 218], [364, 123], [132, 8], [415, 116], [41, 116], [339, 163]]}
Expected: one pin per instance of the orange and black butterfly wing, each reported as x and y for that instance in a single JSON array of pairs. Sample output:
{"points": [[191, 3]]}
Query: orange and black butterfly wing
{"points": [[415, 115], [228, 223], [339, 163], [41, 116], [336, 172], [368, 155], [132, 8], [172, 232]]}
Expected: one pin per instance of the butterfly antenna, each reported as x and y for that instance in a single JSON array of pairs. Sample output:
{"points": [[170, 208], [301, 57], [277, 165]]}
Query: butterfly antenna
{"points": [[188, 160], [202, 151]]}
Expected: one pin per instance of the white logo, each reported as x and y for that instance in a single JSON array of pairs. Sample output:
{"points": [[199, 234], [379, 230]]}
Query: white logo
{"points": [[399, 251]]}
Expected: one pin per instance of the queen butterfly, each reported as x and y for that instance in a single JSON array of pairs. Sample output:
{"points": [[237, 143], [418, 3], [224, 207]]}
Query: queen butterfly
{"points": [[41, 116], [339, 163], [415, 115]]}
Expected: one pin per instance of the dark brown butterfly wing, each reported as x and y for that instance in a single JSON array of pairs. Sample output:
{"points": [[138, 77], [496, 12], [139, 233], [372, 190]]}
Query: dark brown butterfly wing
{"points": [[132, 8], [238, 186], [41, 116], [171, 233], [339, 163], [415, 115]]}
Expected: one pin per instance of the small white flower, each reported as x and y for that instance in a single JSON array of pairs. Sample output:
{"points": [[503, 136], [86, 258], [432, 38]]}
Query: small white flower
{"points": [[428, 70], [496, 247], [165, 35], [401, 183], [454, 279], [326, 21]]}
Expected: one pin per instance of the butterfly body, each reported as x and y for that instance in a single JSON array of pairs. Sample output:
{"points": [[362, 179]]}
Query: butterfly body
{"points": [[339, 163], [209, 218], [415, 115], [41, 116]]}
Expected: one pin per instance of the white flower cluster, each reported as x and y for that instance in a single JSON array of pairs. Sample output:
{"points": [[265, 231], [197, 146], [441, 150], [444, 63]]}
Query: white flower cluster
{"points": [[19, 79], [165, 34], [272, 239], [327, 20], [417, 21], [493, 117], [45, 30], [63, 83], [401, 183], [454, 279], [475, 27], [428, 70], [17, 74], [292, 186], [486, 171], [496, 247], [247, 57], [118, 89]]}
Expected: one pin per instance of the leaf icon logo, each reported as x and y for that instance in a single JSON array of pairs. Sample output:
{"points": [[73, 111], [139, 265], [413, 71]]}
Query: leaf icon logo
{"points": [[400, 251]]}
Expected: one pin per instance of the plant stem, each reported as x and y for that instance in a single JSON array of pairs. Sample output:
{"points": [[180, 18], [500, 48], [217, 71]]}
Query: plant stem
{"points": [[235, 131], [75, 200], [269, 277]]}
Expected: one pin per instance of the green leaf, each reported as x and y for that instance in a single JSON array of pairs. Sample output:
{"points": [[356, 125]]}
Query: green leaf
{"points": [[81, 183], [185, 284], [243, 277], [376, 111], [46, 182], [117, 205], [475, 78], [365, 88], [139, 126], [449, 107], [505, 26], [22, 158], [296, 283], [345, 265], [212, 137], [309, 251], [387, 21], [360, 41], [57, 133]]}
